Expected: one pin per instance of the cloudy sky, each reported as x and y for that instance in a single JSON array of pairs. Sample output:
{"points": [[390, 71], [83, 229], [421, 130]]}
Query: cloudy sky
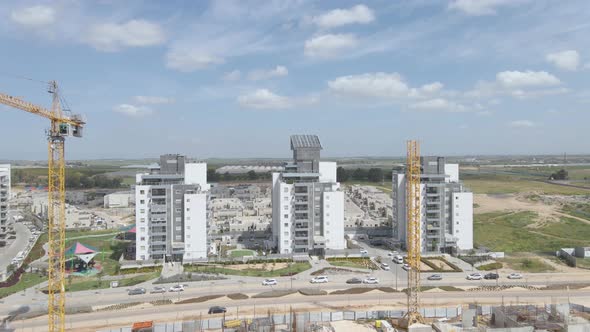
{"points": [[236, 78]]}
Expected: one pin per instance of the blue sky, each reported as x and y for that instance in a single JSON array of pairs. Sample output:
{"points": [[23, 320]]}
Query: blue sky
{"points": [[236, 78]]}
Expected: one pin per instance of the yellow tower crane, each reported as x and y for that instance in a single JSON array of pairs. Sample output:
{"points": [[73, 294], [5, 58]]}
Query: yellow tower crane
{"points": [[413, 232], [62, 125]]}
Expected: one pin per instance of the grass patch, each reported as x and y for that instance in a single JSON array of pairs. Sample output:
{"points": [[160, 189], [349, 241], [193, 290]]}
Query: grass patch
{"points": [[422, 289], [333, 270], [507, 231], [295, 268], [86, 283], [354, 290], [241, 253], [490, 267], [27, 280], [274, 293], [532, 265], [512, 184], [451, 289], [312, 292], [199, 299], [354, 262], [238, 296]]}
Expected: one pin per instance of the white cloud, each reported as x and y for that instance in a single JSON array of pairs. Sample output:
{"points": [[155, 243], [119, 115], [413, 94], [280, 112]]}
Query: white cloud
{"points": [[134, 33], [438, 104], [484, 113], [232, 76], [329, 45], [34, 16], [432, 87], [566, 60], [262, 74], [188, 60], [264, 99], [522, 124], [153, 100], [515, 79], [359, 14], [132, 110], [382, 85], [480, 7]]}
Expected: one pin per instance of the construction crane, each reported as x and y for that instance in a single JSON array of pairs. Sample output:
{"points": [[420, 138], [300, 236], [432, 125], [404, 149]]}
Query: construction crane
{"points": [[413, 315], [62, 125]]}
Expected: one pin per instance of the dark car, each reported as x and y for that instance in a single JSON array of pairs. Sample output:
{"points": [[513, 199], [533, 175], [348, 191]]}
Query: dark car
{"points": [[136, 291], [217, 310], [354, 281], [491, 276]]}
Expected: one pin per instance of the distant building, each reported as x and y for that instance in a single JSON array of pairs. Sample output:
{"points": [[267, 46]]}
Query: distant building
{"points": [[308, 207], [5, 225], [446, 205], [121, 199], [171, 210]]}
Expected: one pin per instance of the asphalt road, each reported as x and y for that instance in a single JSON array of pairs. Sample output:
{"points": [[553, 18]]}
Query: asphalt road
{"points": [[19, 244], [252, 307]]}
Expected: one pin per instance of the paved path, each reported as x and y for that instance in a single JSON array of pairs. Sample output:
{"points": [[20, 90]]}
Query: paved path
{"points": [[19, 244]]}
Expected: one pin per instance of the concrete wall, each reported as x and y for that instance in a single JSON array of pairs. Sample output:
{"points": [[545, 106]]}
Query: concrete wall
{"points": [[328, 171], [462, 219], [195, 226], [141, 220], [196, 173], [452, 171]]}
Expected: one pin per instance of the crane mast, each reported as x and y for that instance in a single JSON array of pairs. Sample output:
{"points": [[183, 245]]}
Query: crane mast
{"points": [[413, 200], [61, 126]]}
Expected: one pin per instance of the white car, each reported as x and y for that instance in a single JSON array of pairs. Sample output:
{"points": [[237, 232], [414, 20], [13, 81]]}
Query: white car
{"points": [[406, 267], [371, 280], [269, 282], [385, 266], [319, 280], [364, 252], [176, 288], [398, 259], [475, 276], [515, 276]]}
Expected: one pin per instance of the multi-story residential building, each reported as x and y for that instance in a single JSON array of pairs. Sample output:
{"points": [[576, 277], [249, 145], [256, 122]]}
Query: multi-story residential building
{"points": [[5, 225], [307, 205], [171, 211], [446, 207]]}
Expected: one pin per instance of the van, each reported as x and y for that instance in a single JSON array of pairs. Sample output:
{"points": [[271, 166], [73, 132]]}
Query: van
{"points": [[398, 259]]}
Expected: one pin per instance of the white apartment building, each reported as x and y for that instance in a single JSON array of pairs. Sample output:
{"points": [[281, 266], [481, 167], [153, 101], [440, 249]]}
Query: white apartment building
{"points": [[171, 211], [307, 205], [5, 225], [446, 207]]}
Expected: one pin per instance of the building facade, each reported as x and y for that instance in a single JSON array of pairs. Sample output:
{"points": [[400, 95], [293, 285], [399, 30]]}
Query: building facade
{"points": [[446, 207], [171, 211], [5, 225], [121, 199], [307, 205]]}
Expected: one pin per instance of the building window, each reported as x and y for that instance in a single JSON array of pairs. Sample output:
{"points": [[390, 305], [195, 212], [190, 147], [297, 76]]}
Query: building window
{"points": [[286, 190], [142, 192], [142, 247], [188, 227], [188, 245], [142, 211], [178, 238], [177, 210], [286, 224], [456, 214], [327, 197], [141, 201], [286, 207], [327, 214], [142, 219], [188, 236], [188, 218], [178, 201], [178, 219], [188, 200], [188, 209], [178, 228], [142, 229], [286, 198], [142, 238], [327, 206], [286, 242], [178, 191], [286, 233], [286, 216]]}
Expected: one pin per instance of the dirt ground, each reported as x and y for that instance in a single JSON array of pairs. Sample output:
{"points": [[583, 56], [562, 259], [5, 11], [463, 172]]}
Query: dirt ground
{"points": [[269, 266], [518, 202], [439, 262]]}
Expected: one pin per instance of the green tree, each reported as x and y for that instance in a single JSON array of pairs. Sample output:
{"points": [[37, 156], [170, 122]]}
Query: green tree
{"points": [[359, 174], [341, 174], [252, 175], [375, 175]]}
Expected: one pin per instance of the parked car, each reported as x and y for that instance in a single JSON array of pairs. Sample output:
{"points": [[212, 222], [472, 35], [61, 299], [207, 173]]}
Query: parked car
{"points": [[371, 280], [269, 282], [392, 253], [385, 266], [158, 290], [398, 259], [217, 310], [406, 267], [177, 288], [475, 276], [136, 291], [515, 276], [354, 281], [491, 275], [435, 277], [319, 280], [364, 252]]}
